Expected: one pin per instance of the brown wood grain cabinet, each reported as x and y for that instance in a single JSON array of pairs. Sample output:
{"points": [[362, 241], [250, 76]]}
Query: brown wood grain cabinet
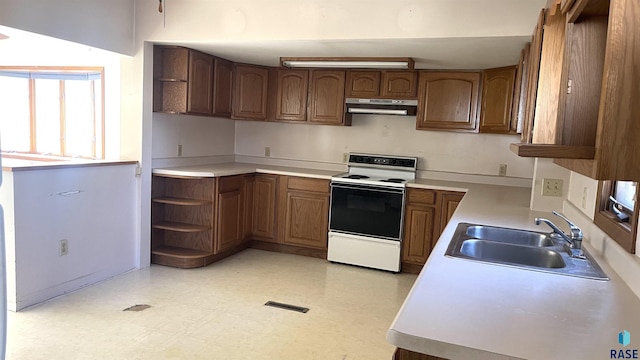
{"points": [[248, 183], [449, 204], [264, 207], [427, 213], [497, 100], [363, 84], [403, 354], [250, 84], [590, 126], [421, 226], [307, 212], [222, 87], [399, 84], [229, 229], [196, 221], [182, 81], [520, 91], [448, 101], [381, 84], [289, 94], [326, 97]]}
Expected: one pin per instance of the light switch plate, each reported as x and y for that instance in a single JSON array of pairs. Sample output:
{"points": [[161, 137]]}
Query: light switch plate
{"points": [[551, 187]]}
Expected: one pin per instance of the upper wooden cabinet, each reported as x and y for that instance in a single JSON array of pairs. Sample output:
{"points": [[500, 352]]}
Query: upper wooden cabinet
{"points": [[182, 81], [497, 100], [250, 85], [363, 84], [592, 112], [381, 84], [222, 87], [288, 93], [326, 97], [190, 82], [448, 101], [399, 84]]}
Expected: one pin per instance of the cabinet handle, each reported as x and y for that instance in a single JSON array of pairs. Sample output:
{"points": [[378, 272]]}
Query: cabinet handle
{"points": [[67, 193]]}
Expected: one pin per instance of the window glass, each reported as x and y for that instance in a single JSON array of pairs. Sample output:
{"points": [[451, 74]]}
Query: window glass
{"points": [[625, 193], [14, 114], [79, 118], [98, 120], [47, 99]]}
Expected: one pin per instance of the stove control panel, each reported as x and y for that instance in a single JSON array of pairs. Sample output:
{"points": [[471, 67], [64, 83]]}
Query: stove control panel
{"points": [[381, 160]]}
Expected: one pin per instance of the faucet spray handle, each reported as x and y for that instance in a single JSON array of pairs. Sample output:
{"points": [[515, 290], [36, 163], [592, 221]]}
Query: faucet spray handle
{"points": [[576, 233]]}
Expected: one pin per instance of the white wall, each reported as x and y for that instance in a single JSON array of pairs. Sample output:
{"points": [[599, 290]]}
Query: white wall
{"points": [[103, 24], [437, 151], [200, 137], [546, 169], [98, 222], [200, 20]]}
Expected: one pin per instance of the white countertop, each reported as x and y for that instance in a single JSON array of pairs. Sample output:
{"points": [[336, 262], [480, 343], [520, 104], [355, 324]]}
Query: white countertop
{"points": [[227, 169], [463, 309]]}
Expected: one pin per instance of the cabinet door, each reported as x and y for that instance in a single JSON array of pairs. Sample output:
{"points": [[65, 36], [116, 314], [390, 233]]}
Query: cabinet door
{"points": [[229, 213], [248, 183], [199, 97], [363, 84], [222, 87], [264, 207], [307, 219], [448, 101], [419, 232], [229, 227], [535, 54], [326, 103], [250, 92], [399, 84], [291, 98], [497, 100], [450, 202], [520, 91]]}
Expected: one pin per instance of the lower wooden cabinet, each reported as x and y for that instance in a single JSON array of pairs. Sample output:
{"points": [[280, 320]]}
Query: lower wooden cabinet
{"points": [[264, 207], [402, 354], [420, 228], [248, 184], [195, 220], [307, 212], [229, 213], [427, 213]]}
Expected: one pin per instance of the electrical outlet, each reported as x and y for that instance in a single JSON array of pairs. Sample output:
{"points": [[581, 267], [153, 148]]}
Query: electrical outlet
{"points": [[64, 247], [345, 157], [502, 171], [551, 187], [179, 150], [267, 151]]}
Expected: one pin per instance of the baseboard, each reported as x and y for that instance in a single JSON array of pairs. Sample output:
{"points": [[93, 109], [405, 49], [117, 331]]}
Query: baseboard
{"points": [[289, 249]]}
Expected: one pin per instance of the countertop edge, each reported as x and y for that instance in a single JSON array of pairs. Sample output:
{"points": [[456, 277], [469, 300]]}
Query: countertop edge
{"points": [[56, 165]]}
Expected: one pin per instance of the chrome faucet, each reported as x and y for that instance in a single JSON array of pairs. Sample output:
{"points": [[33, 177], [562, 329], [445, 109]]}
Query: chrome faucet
{"points": [[574, 240]]}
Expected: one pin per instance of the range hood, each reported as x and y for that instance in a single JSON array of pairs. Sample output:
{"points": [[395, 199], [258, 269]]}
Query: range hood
{"points": [[381, 106]]}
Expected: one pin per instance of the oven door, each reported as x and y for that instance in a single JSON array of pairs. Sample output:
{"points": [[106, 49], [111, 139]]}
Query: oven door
{"points": [[367, 210]]}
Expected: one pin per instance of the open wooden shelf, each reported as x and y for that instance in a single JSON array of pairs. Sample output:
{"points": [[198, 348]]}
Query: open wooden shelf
{"points": [[180, 257], [554, 151], [179, 252], [180, 227], [181, 201]]}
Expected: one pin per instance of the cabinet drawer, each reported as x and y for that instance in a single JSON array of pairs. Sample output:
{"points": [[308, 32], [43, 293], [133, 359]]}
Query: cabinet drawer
{"points": [[421, 196], [308, 184], [229, 183]]}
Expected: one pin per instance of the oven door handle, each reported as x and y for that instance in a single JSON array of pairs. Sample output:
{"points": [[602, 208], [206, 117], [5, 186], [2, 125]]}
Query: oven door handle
{"points": [[368, 187]]}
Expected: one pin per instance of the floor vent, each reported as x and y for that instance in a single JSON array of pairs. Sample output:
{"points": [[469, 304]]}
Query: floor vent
{"points": [[137, 308], [287, 306]]}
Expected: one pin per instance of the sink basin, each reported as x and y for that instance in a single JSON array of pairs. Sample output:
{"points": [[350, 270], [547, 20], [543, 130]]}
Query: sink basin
{"points": [[514, 254], [511, 236], [529, 250]]}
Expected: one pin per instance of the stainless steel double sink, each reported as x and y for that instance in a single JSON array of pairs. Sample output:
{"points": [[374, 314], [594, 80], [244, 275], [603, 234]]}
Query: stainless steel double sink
{"points": [[525, 249]]}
